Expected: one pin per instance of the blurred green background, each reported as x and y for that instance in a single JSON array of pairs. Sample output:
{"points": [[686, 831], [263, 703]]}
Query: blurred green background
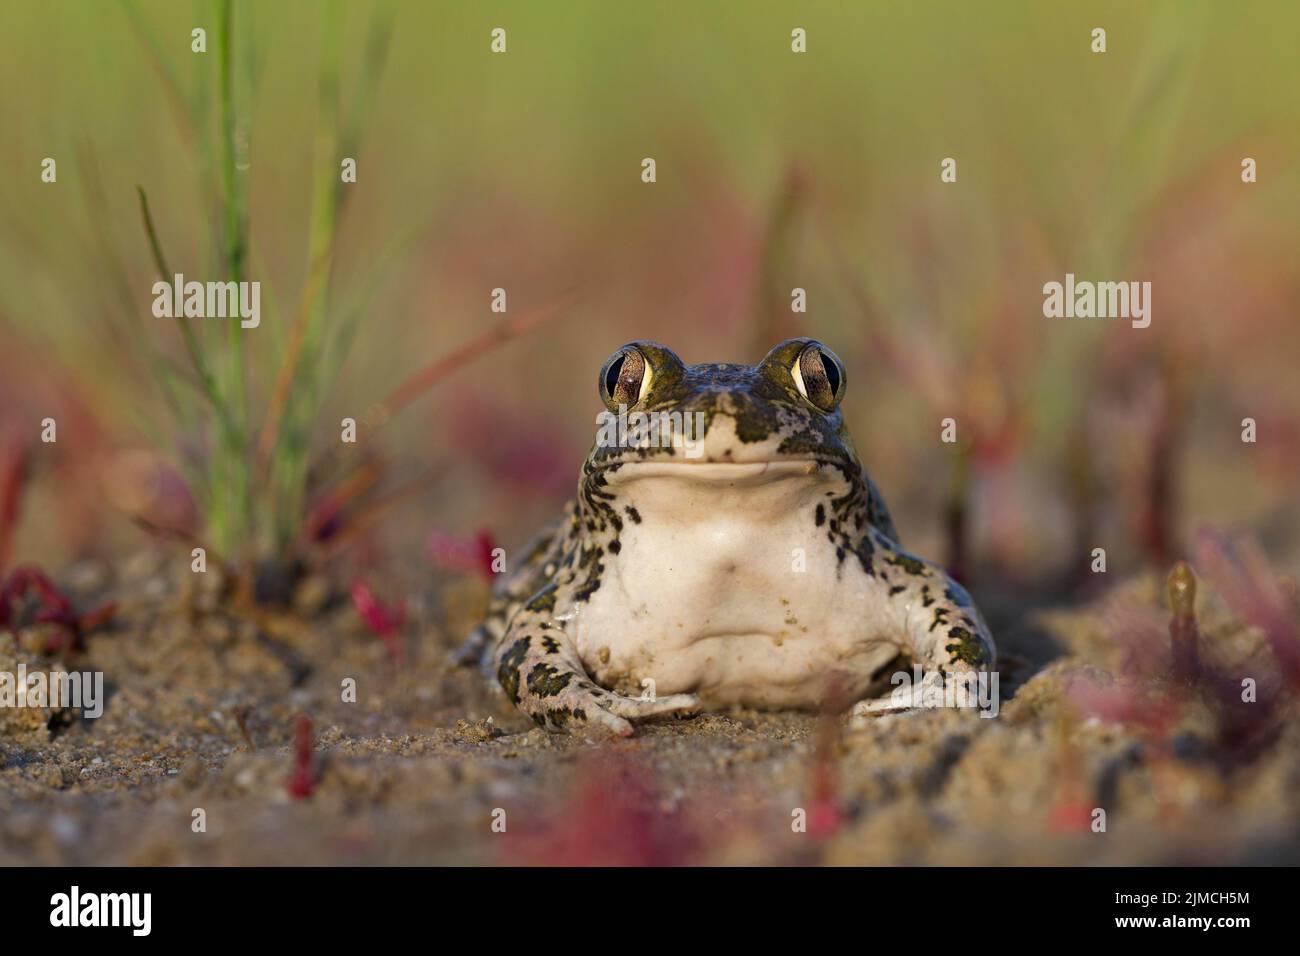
{"points": [[775, 170]]}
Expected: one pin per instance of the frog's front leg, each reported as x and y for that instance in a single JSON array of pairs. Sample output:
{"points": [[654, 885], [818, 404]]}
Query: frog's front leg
{"points": [[544, 677], [938, 625]]}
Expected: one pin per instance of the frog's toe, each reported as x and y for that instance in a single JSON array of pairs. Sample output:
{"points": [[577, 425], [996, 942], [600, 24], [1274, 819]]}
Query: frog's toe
{"points": [[590, 711], [580, 708], [638, 707], [877, 707], [601, 722], [604, 713], [904, 697]]}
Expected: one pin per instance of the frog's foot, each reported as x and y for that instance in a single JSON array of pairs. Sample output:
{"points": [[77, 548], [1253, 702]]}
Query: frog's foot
{"points": [[545, 680], [585, 709], [955, 685], [624, 709], [904, 696], [943, 629]]}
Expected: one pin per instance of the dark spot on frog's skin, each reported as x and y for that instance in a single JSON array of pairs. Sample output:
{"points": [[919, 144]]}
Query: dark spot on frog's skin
{"points": [[615, 547], [908, 563], [821, 515], [926, 597], [633, 514], [551, 645], [966, 646], [508, 672], [545, 680], [940, 613], [865, 550], [897, 589], [559, 716], [544, 600], [591, 562]]}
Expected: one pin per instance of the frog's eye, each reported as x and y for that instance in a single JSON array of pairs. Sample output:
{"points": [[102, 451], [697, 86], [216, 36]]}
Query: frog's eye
{"points": [[625, 378], [819, 375]]}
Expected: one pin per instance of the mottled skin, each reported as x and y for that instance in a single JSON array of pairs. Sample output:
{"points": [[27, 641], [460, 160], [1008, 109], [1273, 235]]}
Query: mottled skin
{"points": [[762, 572]]}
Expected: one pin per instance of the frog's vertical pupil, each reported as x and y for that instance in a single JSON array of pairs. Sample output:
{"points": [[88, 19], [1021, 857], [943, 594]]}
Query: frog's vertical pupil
{"points": [[832, 372], [611, 374]]}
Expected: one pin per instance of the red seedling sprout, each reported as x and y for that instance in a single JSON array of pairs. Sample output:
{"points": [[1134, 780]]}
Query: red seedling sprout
{"points": [[485, 548], [383, 622], [303, 780], [1070, 813], [463, 555], [1152, 713], [53, 607], [1137, 699], [825, 816], [611, 818], [1240, 572]]}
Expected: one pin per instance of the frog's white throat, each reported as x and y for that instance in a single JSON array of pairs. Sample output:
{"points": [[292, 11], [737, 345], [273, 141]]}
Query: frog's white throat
{"points": [[724, 580]]}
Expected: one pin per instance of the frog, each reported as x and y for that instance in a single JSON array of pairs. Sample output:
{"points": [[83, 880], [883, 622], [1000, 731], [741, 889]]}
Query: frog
{"points": [[731, 554]]}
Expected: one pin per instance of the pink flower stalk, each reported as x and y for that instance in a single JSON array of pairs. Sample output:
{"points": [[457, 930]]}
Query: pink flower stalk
{"points": [[382, 621]]}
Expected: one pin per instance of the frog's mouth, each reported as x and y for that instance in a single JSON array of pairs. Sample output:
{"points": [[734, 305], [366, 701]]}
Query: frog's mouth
{"points": [[728, 472]]}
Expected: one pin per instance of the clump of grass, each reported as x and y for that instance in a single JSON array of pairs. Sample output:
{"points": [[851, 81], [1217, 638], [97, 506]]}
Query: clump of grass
{"points": [[229, 478], [254, 476]]}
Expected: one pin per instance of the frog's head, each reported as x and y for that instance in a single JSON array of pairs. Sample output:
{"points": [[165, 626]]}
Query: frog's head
{"points": [[724, 421]]}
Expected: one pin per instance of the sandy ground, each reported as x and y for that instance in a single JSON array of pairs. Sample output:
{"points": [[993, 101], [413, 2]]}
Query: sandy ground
{"points": [[429, 765]]}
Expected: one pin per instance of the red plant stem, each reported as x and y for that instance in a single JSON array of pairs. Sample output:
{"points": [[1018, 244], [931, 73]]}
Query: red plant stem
{"points": [[54, 607], [424, 379], [13, 478], [825, 815], [382, 621], [486, 545], [303, 780]]}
